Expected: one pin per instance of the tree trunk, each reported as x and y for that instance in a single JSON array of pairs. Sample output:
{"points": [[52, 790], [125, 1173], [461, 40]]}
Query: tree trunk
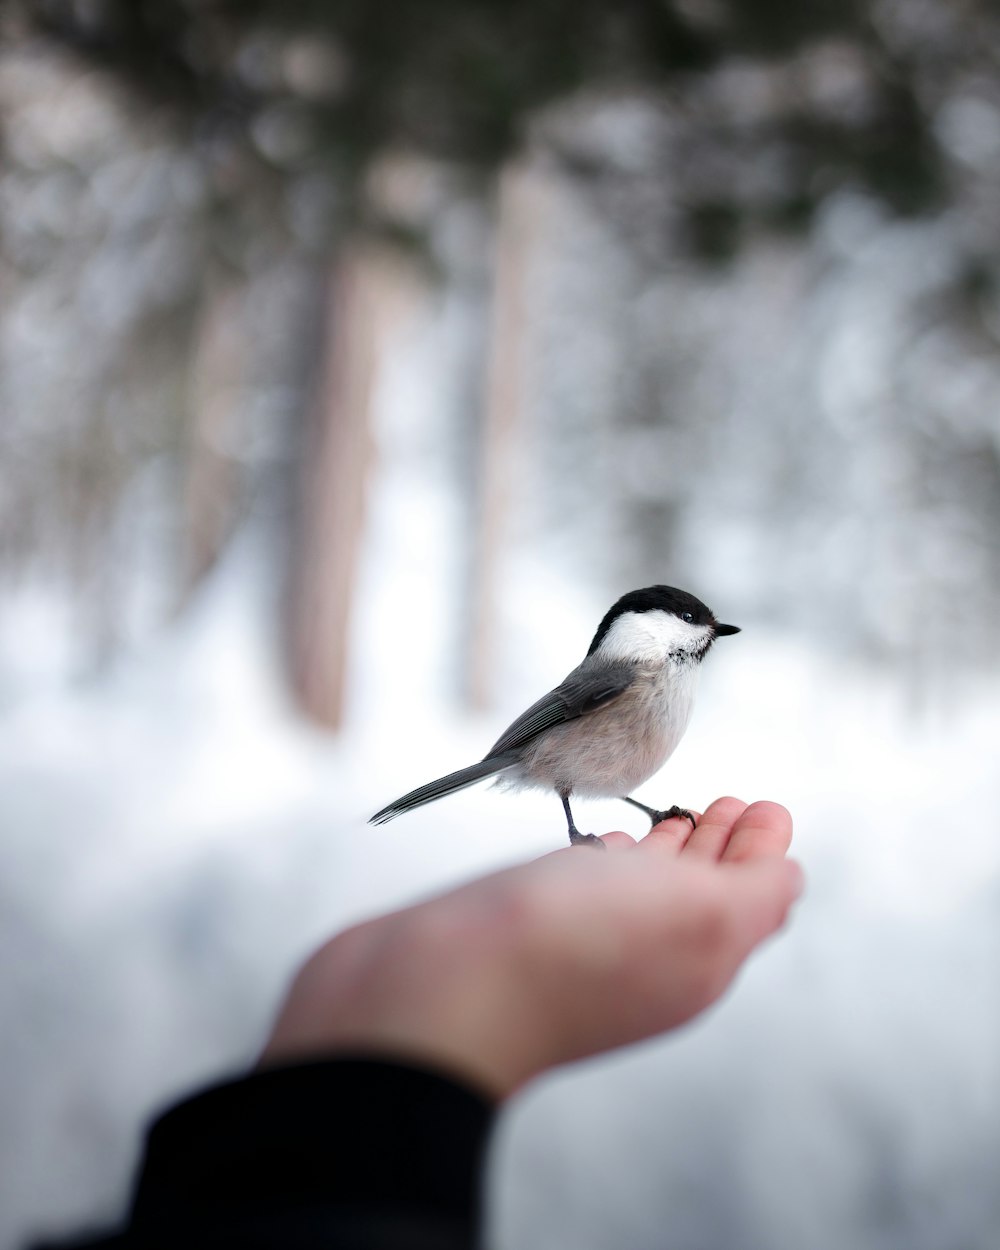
{"points": [[218, 379], [520, 201], [336, 462]]}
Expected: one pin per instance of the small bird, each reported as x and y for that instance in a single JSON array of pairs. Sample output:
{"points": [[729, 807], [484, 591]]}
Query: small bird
{"points": [[615, 720]]}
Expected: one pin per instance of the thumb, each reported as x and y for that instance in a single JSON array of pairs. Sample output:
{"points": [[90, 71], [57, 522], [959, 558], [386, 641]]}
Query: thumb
{"points": [[762, 892]]}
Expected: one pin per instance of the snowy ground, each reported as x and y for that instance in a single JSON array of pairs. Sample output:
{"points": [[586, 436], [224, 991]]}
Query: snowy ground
{"points": [[173, 840]]}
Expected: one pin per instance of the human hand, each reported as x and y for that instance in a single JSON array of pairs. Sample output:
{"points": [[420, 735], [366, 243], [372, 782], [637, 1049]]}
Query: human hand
{"points": [[555, 960]]}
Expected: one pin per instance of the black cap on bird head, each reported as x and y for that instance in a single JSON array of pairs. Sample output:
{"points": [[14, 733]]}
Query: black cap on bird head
{"points": [[662, 599]]}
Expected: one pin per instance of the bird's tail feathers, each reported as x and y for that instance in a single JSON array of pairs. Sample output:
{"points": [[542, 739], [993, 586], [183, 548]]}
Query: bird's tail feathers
{"points": [[442, 786]]}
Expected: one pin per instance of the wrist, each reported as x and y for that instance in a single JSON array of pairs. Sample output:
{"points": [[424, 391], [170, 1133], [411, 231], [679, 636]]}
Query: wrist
{"points": [[424, 985]]}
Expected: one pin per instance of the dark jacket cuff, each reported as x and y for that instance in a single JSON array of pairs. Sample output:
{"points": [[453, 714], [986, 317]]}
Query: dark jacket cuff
{"points": [[336, 1141]]}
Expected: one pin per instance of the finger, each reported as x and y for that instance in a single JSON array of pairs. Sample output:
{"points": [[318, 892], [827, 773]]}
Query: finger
{"points": [[715, 828], [617, 840], [764, 829], [761, 894], [669, 835]]}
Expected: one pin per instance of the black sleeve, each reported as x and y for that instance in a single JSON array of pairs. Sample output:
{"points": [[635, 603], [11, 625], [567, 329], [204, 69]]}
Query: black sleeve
{"points": [[353, 1153]]}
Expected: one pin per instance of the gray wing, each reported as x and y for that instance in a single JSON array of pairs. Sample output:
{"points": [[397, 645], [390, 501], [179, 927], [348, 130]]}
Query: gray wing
{"points": [[589, 687]]}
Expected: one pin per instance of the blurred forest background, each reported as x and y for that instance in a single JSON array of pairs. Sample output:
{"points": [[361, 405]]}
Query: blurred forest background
{"points": [[684, 252], [356, 356]]}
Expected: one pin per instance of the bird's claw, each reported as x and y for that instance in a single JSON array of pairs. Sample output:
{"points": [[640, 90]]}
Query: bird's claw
{"points": [[672, 813], [585, 839]]}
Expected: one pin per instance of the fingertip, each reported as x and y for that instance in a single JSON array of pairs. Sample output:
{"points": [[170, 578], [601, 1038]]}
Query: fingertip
{"points": [[769, 812], [791, 888], [764, 830], [725, 811], [796, 878]]}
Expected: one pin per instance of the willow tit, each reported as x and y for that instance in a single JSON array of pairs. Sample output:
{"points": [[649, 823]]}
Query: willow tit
{"points": [[613, 722]]}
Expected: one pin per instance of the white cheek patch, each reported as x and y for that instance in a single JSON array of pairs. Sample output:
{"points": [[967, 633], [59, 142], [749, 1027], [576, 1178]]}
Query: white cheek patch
{"points": [[652, 636]]}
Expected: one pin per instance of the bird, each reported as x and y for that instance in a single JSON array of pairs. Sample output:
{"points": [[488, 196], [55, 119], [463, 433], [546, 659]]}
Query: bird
{"points": [[612, 723]]}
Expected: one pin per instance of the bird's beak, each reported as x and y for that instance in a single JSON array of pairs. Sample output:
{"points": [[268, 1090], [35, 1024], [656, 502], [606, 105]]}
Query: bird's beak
{"points": [[726, 629]]}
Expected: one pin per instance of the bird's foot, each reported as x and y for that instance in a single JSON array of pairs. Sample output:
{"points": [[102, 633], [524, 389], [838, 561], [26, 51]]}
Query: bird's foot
{"points": [[576, 838], [672, 813], [656, 816]]}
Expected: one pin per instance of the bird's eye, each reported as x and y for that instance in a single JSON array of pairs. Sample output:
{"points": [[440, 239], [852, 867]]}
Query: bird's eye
{"points": [[687, 616]]}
